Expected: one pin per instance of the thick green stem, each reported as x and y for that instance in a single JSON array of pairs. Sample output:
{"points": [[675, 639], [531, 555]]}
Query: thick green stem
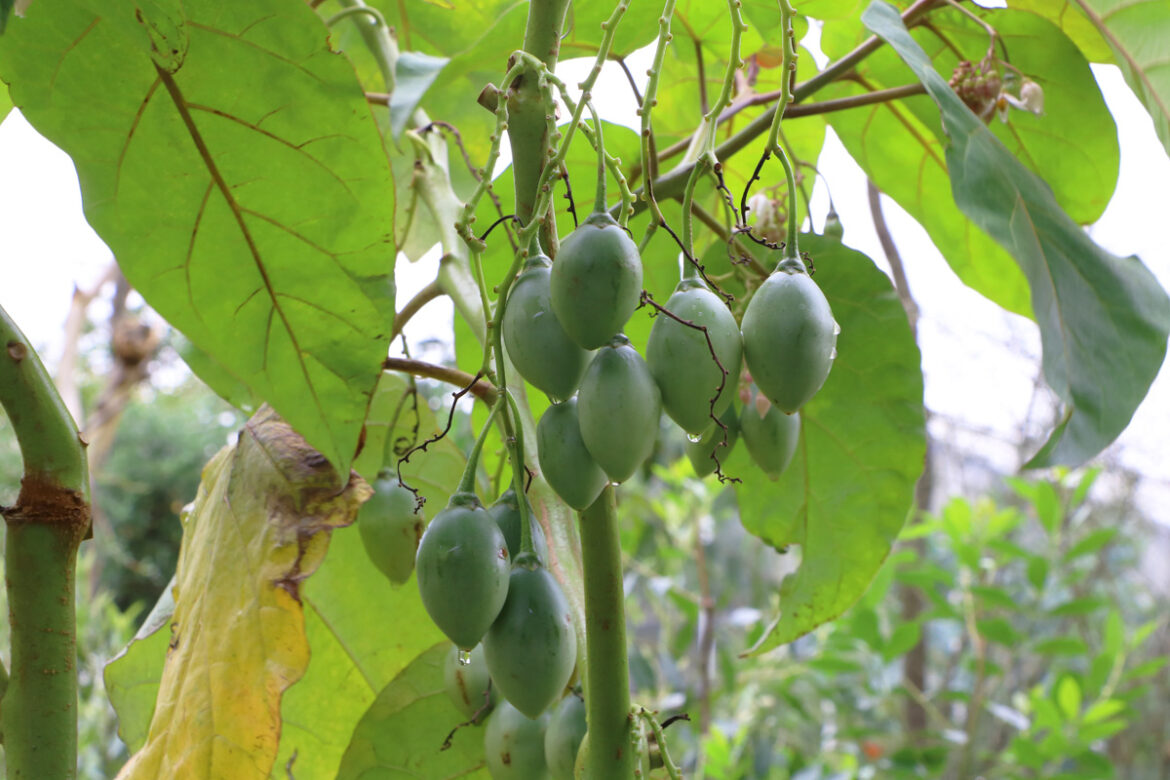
{"points": [[40, 705], [45, 529], [467, 481], [527, 108], [599, 196], [607, 677]]}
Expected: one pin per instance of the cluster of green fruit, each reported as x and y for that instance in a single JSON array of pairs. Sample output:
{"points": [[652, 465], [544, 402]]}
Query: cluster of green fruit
{"points": [[516, 746], [474, 589], [603, 423]]}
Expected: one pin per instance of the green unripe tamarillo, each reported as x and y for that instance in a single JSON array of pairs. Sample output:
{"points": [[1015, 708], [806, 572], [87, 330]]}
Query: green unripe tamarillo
{"points": [[513, 745], [619, 404], [531, 648], [537, 344], [596, 281], [506, 513], [680, 358], [567, 465], [771, 439], [463, 565], [562, 738], [391, 526], [467, 682], [789, 336], [699, 452]]}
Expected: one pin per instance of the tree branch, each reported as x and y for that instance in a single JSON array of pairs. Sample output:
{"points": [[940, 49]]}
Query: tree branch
{"points": [[671, 184], [482, 389]]}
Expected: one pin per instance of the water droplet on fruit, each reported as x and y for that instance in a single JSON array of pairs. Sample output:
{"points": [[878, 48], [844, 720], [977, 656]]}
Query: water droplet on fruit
{"points": [[464, 658], [836, 328], [694, 438], [615, 484], [833, 354]]}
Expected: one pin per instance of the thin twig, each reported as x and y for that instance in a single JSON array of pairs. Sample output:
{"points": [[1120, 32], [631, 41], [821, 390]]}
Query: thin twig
{"points": [[482, 389], [421, 298]]}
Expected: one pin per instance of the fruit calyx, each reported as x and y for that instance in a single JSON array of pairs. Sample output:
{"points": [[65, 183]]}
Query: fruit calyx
{"points": [[464, 500]]}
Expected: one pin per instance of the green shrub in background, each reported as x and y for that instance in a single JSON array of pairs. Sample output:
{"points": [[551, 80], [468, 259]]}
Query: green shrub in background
{"points": [[153, 470], [1045, 645]]}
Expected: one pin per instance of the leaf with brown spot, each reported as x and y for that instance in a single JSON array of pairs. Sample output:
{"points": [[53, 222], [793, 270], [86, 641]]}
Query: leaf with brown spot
{"points": [[260, 524]]}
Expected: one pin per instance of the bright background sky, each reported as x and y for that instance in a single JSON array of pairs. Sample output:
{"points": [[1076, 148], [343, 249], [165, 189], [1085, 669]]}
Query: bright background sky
{"points": [[980, 363]]}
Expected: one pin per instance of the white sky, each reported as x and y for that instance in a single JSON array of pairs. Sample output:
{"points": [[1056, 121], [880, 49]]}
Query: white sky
{"points": [[980, 363]]}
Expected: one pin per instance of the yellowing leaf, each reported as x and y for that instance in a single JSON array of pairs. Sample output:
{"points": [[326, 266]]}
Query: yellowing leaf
{"points": [[259, 526]]}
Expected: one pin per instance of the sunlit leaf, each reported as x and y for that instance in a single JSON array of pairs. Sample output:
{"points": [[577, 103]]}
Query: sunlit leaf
{"points": [[402, 733], [260, 525], [235, 170], [906, 160], [845, 496], [638, 27], [1068, 696], [1103, 319], [1066, 15], [1138, 32]]}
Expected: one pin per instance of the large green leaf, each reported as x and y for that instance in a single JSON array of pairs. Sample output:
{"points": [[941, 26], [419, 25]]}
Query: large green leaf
{"points": [[401, 735], [1073, 147], [846, 494], [905, 159], [1103, 319], [236, 171], [1138, 32], [1065, 15], [638, 27]]}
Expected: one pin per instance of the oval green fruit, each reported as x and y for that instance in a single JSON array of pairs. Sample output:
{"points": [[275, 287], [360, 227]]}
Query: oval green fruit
{"points": [[789, 337], [680, 359], [619, 405], [391, 526], [596, 281], [562, 738], [699, 452], [467, 682], [537, 344], [513, 745], [531, 649], [506, 513], [771, 440], [566, 463], [463, 566]]}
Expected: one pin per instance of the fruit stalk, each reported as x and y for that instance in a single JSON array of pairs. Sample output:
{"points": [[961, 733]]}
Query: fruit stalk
{"points": [[607, 678], [45, 529]]}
